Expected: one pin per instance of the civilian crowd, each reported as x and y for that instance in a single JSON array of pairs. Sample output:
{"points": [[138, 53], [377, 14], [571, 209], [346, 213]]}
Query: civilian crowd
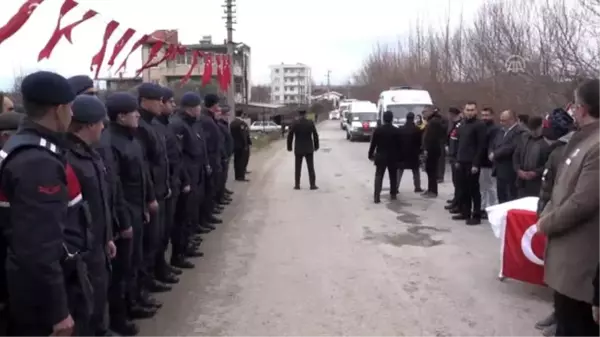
{"points": [[93, 193], [555, 158]]}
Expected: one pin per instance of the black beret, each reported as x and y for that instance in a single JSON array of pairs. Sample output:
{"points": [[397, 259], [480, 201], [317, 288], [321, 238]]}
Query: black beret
{"points": [[80, 83], [190, 100], [46, 88], [150, 91], [167, 94], [120, 103], [210, 100], [88, 109], [10, 120]]}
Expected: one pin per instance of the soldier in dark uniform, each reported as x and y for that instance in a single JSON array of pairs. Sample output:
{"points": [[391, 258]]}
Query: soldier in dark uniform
{"points": [[9, 122], [44, 221], [241, 147], [150, 106], [305, 144], [84, 133], [195, 165], [83, 85], [130, 174], [214, 143], [163, 272], [223, 194], [383, 151]]}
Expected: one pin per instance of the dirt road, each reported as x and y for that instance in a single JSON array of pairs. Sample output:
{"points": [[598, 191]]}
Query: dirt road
{"points": [[330, 262]]}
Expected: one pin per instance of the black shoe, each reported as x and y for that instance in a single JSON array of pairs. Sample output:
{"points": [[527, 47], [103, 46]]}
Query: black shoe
{"points": [[224, 203], [167, 278], [393, 197], [245, 180], [473, 221], [174, 270], [125, 328], [454, 211], [314, 187], [377, 200], [158, 287], [450, 201], [248, 172], [440, 181], [419, 190], [484, 215], [429, 195], [140, 312], [193, 253], [460, 217], [546, 322], [213, 220], [182, 263], [230, 192], [217, 211], [449, 207], [202, 230]]}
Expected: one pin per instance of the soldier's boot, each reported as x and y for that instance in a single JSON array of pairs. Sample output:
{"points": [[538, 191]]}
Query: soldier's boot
{"points": [[213, 220], [181, 262], [125, 328], [155, 286]]}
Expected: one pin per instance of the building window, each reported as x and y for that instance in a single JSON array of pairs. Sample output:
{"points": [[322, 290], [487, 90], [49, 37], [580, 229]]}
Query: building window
{"points": [[181, 59]]}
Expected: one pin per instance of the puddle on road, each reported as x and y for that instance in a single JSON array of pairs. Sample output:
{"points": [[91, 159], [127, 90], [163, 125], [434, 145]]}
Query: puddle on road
{"points": [[325, 149], [413, 237], [401, 207]]}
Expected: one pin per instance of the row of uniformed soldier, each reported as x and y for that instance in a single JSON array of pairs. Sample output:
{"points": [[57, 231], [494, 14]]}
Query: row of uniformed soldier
{"points": [[87, 213]]}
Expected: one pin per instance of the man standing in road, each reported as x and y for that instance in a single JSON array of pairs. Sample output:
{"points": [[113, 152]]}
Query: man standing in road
{"points": [[383, 151], [433, 140], [452, 141], [471, 147], [570, 221], [409, 151], [306, 142], [487, 183], [241, 147], [502, 156]]}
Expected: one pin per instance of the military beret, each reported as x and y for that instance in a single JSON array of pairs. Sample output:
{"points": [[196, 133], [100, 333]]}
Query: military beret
{"points": [[190, 100], [167, 94], [557, 124], [88, 109], [211, 100], [80, 83], [10, 120], [150, 91], [46, 88], [120, 103]]}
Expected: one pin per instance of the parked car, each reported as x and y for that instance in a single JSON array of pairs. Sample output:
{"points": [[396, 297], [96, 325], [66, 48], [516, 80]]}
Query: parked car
{"points": [[334, 114], [264, 126], [360, 125]]}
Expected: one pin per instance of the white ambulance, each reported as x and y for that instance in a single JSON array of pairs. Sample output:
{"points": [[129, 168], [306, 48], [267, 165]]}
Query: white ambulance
{"points": [[402, 100]]}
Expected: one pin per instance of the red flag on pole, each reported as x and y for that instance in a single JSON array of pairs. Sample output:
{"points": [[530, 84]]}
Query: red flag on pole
{"points": [[17, 21], [226, 71], [208, 68], [188, 75], [66, 7], [99, 57], [171, 52], [118, 47], [219, 60], [69, 29], [156, 47], [135, 46]]}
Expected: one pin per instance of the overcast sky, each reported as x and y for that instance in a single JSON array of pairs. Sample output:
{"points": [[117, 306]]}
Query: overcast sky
{"points": [[324, 34]]}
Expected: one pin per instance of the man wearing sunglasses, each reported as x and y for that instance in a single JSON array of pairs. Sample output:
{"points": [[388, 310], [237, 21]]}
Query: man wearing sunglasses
{"points": [[83, 85]]}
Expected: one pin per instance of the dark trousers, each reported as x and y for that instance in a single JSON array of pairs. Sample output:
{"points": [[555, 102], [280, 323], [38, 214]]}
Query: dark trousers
{"points": [[573, 317], [416, 172], [152, 241], [168, 219], [431, 168], [392, 170], [136, 272], [455, 182], [239, 163], [117, 291], [442, 165], [97, 263], [506, 188], [207, 201], [310, 165], [246, 159], [469, 201]]}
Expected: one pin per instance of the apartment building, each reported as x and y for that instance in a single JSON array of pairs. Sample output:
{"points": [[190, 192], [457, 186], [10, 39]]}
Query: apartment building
{"points": [[173, 71], [290, 84]]}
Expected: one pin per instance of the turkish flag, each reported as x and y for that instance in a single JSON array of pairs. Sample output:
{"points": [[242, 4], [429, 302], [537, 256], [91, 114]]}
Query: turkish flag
{"points": [[219, 61], [17, 21], [66, 7], [118, 47], [208, 68], [226, 71], [135, 47], [523, 253], [99, 57], [188, 75]]}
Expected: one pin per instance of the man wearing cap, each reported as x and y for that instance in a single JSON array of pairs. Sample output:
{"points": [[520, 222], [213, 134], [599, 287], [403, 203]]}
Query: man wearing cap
{"points": [[223, 194], [84, 133], [83, 85], [241, 146], [42, 212], [214, 143], [130, 174], [150, 106], [193, 175]]}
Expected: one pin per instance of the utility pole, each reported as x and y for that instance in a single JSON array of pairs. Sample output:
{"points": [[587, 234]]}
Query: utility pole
{"points": [[229, 17], [328, 80]]}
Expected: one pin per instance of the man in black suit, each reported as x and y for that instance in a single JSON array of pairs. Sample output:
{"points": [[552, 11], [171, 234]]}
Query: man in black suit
{"points": [[241, 146], [383, 151], [502, 156], [409, 151], [433, 140], [306, 143]]}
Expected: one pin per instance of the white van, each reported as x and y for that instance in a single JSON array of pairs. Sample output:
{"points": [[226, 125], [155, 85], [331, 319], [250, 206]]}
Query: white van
{"points": [[344, 104], [402, 100], [361, 120]]}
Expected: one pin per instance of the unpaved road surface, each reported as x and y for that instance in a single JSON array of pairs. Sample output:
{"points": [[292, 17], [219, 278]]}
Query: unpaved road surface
{"points": [[330, 262]]}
